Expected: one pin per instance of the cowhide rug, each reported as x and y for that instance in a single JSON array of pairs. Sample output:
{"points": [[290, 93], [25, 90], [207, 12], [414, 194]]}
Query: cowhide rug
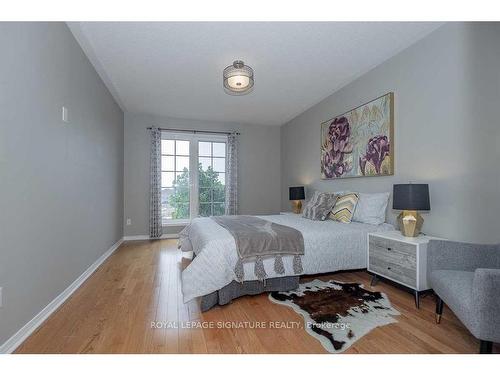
{"points": [[337, 314]]}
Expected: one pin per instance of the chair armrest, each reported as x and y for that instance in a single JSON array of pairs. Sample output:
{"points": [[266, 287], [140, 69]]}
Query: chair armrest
{"points": [[486, 303], [459, 256]]}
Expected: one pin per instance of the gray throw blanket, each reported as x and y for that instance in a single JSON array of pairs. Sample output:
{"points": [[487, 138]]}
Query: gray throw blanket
{"points": [[257, 238]]}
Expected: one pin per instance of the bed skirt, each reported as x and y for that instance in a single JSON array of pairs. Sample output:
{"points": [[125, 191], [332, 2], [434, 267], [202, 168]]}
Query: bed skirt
{"points": [[236, 289]]}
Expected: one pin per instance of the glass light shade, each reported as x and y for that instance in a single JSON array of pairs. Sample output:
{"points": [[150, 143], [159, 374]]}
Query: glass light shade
{"points": [[238, 78], [238, 82]]}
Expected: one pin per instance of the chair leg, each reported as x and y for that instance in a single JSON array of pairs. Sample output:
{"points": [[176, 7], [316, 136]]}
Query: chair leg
{"points": [[485, 347], [439, 309]]}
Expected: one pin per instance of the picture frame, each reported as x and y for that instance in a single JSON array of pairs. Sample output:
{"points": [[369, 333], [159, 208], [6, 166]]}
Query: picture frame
{"points": [[359, 142]]}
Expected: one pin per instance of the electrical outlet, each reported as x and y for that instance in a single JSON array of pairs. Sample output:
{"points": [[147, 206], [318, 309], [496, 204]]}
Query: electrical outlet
{"points": [[1, 299], [129, 221]]}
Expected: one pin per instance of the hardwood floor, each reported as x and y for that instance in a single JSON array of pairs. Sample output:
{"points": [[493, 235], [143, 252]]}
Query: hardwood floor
{"points": [[140, 283]]}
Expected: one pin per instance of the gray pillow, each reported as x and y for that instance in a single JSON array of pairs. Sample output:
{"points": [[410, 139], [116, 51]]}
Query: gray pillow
{"points": [[371, 208], [319, 206]]}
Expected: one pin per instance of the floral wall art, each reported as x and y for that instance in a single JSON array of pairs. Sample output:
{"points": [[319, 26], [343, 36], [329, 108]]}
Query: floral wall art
{"points": [[360, 142]]}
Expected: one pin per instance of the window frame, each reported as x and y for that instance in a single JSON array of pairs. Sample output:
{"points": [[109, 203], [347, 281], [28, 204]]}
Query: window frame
{"points": [[193, 139]]}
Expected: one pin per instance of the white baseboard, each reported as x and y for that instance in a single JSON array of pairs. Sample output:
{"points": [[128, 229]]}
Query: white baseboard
{"points": [[17, 339], [146, 237]]}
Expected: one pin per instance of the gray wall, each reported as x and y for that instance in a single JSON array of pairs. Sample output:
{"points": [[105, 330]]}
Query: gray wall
{"points": [[259, 167], [447, 130], [61, 185]]}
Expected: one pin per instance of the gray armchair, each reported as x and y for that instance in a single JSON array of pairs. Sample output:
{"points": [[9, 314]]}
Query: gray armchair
{"points": [[467, 278]]}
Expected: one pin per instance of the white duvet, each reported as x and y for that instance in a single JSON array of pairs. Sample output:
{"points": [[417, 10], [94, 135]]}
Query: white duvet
{"points": [[329, 246]]}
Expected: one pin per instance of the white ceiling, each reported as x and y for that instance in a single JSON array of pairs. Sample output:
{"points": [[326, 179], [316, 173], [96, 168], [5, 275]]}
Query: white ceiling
{"points": [[175, 69]]}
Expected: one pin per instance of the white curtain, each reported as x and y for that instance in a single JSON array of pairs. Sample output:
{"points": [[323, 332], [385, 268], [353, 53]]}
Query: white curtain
{"points": [[232, 175], [155, 229]]}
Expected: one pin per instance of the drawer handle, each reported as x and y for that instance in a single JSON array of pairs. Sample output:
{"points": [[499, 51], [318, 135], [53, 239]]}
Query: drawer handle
{"points": [[388, 268], [389, 248]]}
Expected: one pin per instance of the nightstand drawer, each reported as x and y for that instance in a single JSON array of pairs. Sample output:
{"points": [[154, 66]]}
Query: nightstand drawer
{"points": [[394, 254], [398, 246], [404, 272]]}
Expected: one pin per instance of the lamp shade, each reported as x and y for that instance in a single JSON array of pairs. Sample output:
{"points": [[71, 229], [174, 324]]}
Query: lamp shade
{"points": [[296, 193], [411, 197], [238, 78]]}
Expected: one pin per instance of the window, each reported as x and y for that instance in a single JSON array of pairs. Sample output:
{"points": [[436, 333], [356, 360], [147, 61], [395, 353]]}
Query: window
{"points": [[193, 176], [211, 177], [175, 179]]}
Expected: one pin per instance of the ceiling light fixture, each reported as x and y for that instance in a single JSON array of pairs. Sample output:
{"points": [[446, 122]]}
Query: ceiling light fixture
{"points": [[238, 78]]}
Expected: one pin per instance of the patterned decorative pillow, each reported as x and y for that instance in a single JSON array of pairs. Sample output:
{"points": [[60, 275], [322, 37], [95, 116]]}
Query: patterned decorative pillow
{"points": [[344, 207], [319, 206], [313, 198]]}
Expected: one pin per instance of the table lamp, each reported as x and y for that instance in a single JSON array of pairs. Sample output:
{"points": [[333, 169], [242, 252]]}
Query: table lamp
{"points": [[411, 198], [296, 195]]}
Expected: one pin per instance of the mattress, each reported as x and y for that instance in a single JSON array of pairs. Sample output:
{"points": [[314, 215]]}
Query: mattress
{"points": [[329, 246]]}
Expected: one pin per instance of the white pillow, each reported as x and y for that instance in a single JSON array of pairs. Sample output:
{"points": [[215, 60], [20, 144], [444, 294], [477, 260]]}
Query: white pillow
{"points": [[371, 208]]}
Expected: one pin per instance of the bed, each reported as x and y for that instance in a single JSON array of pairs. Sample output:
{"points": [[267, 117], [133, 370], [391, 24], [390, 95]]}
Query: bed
{"points": [[329, 246]]}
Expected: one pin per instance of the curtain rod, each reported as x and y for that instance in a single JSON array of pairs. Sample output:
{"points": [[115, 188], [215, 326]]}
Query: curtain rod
{"points": [[195, 131]]}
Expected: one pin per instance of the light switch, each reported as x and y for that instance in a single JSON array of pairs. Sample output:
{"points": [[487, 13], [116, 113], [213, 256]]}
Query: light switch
{"points": [[65, 114]]}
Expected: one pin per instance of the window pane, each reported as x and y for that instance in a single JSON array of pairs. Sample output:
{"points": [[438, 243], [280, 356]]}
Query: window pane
{"points": [[181, 211], [221, 178], [206, 178], [219, 164], [167, 179], [205, 163], [181, 195], [182, 148], [218, 209], [166, 208], [219, 194], [219, 149], [167, 163], [177, 206], [182, 179], [205, 195], [204, 148], [167, 146], [166, 193], [166, 213], [205, 209], [181, 162]]}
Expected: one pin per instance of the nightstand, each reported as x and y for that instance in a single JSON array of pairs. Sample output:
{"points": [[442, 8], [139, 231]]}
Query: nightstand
{"points": [[400, 259]]}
